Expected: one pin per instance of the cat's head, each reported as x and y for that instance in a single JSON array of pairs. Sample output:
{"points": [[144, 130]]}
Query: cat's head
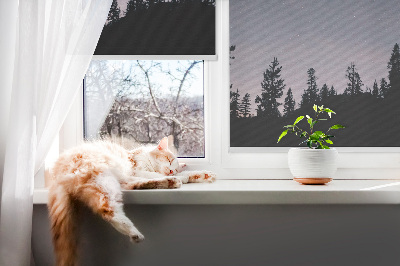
{"points": [[164, 161]]}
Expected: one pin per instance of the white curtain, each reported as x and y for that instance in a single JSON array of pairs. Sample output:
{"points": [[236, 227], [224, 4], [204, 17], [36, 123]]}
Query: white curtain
{"points": [[55, 41]]}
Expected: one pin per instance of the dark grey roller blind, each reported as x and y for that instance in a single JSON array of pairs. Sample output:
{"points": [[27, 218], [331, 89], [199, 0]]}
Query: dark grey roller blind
{"points": [[159, 27], [286, 56]]}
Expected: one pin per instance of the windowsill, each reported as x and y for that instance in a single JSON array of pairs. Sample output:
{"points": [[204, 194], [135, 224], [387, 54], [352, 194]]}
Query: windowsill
{"points": [[264, 192]]}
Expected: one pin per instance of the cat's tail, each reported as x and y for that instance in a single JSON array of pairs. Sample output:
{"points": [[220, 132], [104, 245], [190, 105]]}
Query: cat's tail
{"points": [[62, 212]]}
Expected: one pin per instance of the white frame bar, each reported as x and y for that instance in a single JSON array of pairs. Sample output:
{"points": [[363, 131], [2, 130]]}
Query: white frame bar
{"points": [[155, 57]]}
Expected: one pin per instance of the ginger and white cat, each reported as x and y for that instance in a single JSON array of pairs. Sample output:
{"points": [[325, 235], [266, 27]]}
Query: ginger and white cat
{"points": [[94, 174]]}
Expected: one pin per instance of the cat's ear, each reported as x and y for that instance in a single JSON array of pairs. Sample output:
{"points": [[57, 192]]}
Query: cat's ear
{"points": [[171, 146], [163, 145]]}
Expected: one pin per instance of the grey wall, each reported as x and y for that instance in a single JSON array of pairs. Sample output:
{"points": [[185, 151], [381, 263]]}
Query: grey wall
{"points": [[237, 235]]}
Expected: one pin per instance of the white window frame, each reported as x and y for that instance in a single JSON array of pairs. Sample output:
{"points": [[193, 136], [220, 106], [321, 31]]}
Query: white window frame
{"points": [[244, 163]]}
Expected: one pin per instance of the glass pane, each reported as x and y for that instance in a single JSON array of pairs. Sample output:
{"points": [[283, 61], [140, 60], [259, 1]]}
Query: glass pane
{"points": [[286, 56], [140, 102]]}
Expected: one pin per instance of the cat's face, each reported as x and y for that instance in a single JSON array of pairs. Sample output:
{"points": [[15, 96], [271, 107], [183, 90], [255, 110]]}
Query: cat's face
{"points": [[165, 162]]}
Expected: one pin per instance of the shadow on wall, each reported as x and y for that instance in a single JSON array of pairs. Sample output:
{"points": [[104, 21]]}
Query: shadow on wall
{"points": [[236, 235]]}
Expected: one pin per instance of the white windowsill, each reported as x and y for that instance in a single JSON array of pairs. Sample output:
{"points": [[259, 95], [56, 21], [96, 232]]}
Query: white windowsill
{"points": [[264, 192]]}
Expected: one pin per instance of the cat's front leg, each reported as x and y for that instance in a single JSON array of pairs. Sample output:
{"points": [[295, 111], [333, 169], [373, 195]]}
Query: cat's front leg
{"points": [[181, 167], [152, 183], [147, 174], [197, 177]]}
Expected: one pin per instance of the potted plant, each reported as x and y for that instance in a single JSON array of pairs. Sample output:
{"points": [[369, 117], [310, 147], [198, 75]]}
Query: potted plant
{"points": [[316, 163]]}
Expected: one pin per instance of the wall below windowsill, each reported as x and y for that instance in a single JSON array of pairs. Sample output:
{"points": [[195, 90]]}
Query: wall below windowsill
{"points": [[264, 192]]}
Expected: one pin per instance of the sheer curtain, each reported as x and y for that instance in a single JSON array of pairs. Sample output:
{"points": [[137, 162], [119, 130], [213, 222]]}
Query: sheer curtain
{"points": [[55, 41]]}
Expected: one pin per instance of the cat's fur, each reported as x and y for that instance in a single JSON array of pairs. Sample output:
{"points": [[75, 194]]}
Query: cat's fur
{"points": [[94, 174]]}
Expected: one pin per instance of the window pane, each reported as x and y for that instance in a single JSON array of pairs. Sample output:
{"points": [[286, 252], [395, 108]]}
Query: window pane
{"points": [[141, 102], [288, 55]]}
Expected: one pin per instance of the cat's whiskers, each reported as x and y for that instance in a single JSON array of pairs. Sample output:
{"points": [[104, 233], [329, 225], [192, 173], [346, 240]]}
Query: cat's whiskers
{"points": [[150, 163]]}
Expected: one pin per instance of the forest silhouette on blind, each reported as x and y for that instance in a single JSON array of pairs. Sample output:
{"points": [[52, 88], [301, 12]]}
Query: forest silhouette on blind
{"points": [[159, 27], [286, 56]]}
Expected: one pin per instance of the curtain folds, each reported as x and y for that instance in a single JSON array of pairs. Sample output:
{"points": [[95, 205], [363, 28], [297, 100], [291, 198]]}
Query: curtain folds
{"points": [[55, 41]]}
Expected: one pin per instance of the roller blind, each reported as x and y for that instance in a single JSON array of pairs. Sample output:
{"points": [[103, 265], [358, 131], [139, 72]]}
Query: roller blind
{"points": [[159, 27]]}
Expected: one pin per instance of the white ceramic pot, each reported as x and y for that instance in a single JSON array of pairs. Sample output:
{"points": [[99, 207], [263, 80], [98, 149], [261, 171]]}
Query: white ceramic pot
{"points": [[312, 166]]}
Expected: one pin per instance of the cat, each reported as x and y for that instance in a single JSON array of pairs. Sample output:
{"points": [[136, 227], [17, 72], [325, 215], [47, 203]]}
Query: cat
{"points": [[94, 174]]}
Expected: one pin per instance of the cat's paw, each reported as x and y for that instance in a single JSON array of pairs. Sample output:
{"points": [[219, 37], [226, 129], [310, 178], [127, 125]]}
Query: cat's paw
{"points": [[174, 182], [201, 176], [210, 177], [182, 167], [137, 237]]}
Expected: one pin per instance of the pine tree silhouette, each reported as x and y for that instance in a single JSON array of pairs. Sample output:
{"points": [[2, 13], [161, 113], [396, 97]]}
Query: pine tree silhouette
{"points": [[332, 92], [113, 14], [355, 83], [310, 95], [394, 69], [384, 88], [324, 93], [290, 103], [244, 107], [234, 106], [375, 90], [135, 5], [272, 89]]}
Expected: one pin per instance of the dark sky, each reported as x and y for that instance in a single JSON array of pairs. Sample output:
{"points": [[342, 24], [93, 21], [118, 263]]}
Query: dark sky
{"points": [[324, 35]]}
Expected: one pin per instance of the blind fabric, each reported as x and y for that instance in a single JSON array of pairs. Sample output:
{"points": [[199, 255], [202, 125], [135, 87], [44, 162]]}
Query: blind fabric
{"points": [[180, 27]]}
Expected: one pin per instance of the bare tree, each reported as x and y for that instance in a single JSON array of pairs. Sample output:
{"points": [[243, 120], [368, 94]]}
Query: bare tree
{"points": [[143, 111]]}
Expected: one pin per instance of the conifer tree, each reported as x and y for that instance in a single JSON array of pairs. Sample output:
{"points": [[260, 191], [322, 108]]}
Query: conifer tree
{"points": [[383, 89], [234, 106], [394, 69], [290, 103], [312, 85], [332, 92], [310, 95], [135, 5], [324, 93], [244, 107], [375, 90], [113, 14], [272, 89], [355, 83], [305, 99]]}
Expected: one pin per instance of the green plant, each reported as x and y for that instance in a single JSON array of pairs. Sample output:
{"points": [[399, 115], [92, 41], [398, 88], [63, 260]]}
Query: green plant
{"points": [[318, 139]]}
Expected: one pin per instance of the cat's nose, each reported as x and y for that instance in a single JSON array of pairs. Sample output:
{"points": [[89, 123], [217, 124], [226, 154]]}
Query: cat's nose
{"points": [[171, 172]]}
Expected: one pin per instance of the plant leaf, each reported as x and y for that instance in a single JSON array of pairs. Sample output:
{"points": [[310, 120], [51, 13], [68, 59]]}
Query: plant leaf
{"points": [[329, 141], [298, 120], [309, 120], [315, 107], [337, 127], [288, 126], [329, 110], [282, 135], [313, 123], [314, 137]]}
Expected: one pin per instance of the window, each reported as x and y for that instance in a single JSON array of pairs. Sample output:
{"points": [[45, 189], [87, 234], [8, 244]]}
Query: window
{"points": [[219, 156], [162, 94], [140, 102]]}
